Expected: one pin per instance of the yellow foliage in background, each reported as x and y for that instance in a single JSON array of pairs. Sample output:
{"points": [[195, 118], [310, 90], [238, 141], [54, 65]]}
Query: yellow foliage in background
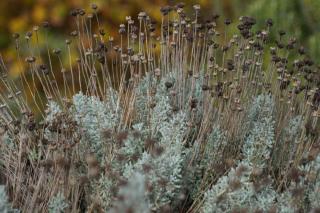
{"points": [[302, 17], [19, 16]]}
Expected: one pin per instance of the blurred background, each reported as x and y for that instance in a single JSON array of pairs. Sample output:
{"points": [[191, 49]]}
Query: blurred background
{"points": [[300, 18]]}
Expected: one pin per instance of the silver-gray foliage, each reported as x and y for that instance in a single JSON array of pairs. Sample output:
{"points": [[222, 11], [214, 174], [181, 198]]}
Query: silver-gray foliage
{"points": [[58, 203], [256, 149], [166, 168], [5, 206], [133, 196], [93, 116]]}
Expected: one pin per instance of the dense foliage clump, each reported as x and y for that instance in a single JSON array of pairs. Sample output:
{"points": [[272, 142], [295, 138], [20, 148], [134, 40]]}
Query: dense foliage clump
{"points": [[177, 119]]}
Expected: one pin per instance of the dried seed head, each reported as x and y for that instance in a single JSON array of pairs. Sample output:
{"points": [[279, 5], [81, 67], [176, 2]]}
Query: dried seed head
{"points": [[152, 104], [106, 133], [121, 157], [74, 12], [165, 10], [28, 35], [239, 210], [44, 69], [157, 72], [215, 17], [90, 16], [301, 50], [68, 42], [168, 84], [240, 170], [146, 168], [47, 164], [92, 160], [229, 162], [17, 123], [281, 33], [234, 184], [134, 157], [122, 29], [56, 51], [31, 188], [180, 5], [157, 151], [94, 172], [269, 22], [256, 172], [102, 32], [74, 33], [39, 200], [205, 87], [45, 24], [62, 162], [142, 15], [35, 28], [15, 35], [128, 18], [316, 99], [193, 103], [101, 58], [294, 175], [149, 143], [297, 192], [30, 59], [196, 7], [227, 21], [230, 65], [121, 137], [81, 12], [162, 182], [94, 6]]}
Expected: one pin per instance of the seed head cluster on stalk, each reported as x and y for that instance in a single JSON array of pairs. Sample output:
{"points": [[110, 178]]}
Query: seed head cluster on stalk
{"points": [[185, 117]]}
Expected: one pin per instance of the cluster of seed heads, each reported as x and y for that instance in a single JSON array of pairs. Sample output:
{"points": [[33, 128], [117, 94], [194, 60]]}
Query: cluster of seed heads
{"points": [[149, 76]]}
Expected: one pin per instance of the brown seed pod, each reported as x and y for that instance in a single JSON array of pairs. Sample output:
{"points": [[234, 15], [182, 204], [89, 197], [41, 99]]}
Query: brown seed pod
{"points": [[92, 160], [93, 172], [30, 59]]}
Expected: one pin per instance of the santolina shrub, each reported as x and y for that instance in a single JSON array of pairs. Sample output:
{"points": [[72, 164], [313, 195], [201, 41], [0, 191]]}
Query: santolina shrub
{"points": [[186, 117]]}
